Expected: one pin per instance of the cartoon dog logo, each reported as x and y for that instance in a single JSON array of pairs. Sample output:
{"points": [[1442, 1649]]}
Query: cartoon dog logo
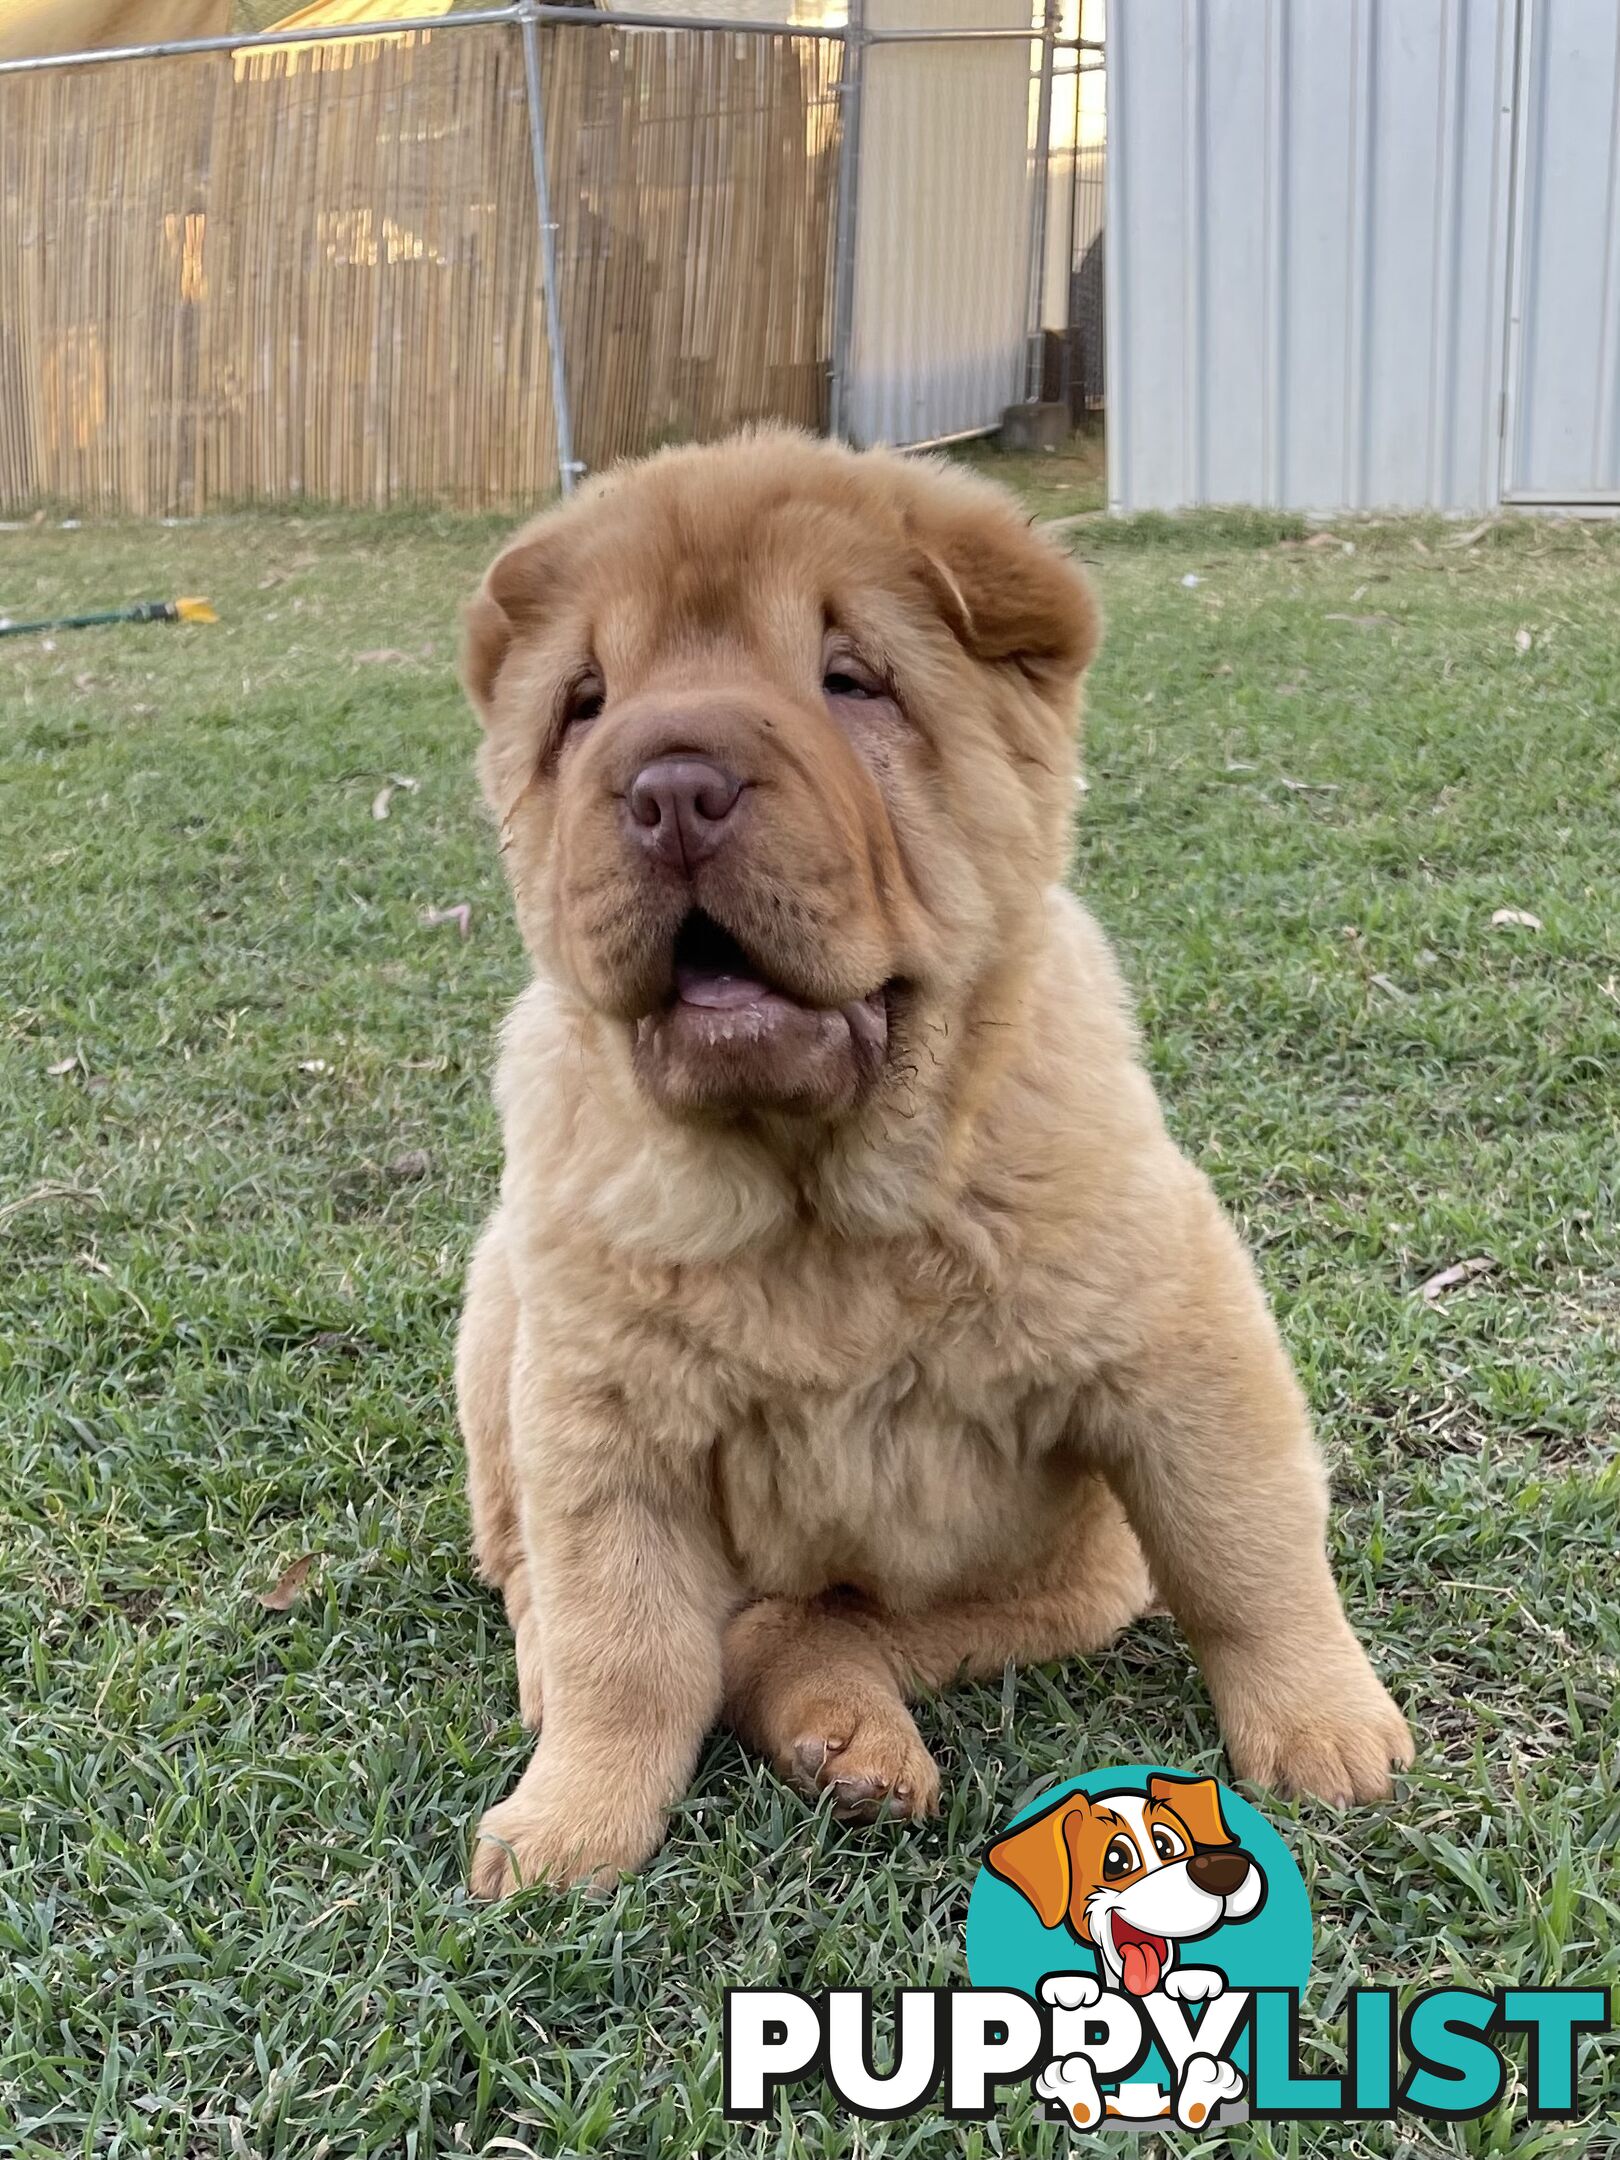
{"points": [[1133, 1876]]}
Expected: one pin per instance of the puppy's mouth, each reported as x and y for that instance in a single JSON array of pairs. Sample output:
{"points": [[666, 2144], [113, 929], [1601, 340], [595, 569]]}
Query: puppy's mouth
{"points": [[728, 1035], [1143, 1957], [714, 974]]}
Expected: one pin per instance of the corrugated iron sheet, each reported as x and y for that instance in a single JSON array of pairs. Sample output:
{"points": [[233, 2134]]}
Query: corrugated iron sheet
{"points": [[1563, 413], [1308, 208]]}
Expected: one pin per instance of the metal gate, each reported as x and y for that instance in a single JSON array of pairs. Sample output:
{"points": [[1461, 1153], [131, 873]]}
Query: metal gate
{"points": [[1562, 415]]}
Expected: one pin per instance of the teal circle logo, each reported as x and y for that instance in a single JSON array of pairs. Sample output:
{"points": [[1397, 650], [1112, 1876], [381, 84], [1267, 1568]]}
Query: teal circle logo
{"points": [[1126, 1897]]}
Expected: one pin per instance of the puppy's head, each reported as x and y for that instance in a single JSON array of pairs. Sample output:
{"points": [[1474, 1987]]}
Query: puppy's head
{"points": [[1133, 1874], [779, 738]]}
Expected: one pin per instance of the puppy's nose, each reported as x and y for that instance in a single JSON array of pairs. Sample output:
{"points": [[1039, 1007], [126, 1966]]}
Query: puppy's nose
{"points": [[1221, 1873], [679, 806]]}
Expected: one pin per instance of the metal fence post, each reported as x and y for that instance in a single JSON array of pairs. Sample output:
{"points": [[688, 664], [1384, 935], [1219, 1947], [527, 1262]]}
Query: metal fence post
{"points": [[850, 87], [568, 470], [1050, 26]]}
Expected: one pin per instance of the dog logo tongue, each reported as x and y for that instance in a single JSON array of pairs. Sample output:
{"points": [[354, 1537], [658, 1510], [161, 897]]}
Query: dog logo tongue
{"points": [[1142, 1957], [1142, 1968]]}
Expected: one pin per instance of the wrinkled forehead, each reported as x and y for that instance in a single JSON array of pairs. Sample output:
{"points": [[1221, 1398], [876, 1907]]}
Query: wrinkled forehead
{"points": [[660, 583]]}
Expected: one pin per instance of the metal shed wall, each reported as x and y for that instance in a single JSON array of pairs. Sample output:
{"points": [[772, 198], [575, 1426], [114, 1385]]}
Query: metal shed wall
{"points": [[1308, 245], [1563, 374]]}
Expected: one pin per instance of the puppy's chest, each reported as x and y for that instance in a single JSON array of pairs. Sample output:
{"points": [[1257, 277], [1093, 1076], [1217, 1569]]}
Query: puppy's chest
{"points": [[908, 1486], [880, 1434], [880, 1418]]}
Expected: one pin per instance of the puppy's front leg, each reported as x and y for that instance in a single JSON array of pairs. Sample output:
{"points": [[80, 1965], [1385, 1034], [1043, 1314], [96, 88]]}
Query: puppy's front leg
{"points": [[632, 1591], [1208, 1444]]}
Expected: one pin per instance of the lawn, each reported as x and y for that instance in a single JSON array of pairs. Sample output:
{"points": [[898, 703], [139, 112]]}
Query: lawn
{"points": [[1062, 483], [247, 1143]]}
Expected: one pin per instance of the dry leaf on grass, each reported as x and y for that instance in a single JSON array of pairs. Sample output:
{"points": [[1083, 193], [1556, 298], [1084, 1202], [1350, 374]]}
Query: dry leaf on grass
{"points": [[1474, 534], [414, 1163], [1449, 1277], [1515, 918], [381, 656], [290, 1586], [460, 915], [1308, 787], [1523, 639], [63, 1066], [383, 799], [334, 1341], [313, 1065]]}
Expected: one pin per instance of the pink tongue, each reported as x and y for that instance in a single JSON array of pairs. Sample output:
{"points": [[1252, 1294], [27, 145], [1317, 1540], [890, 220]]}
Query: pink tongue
{"points": [[719, 993], [1142, 1967], [706, 988]]}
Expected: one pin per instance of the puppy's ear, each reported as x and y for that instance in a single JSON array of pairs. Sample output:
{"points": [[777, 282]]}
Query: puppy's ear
{"points": [[1035, 1859], [1197, 1802], [515, 590], [1007, 592]]}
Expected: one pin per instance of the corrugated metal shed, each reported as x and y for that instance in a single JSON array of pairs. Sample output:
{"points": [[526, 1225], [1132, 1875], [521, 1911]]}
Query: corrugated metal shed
{"points": [[1563, 380], [1363, 255]]}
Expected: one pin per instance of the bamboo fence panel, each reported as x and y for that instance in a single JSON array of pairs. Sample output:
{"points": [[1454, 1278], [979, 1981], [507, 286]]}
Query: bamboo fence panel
{"points": [[692, 182], [313, 271]]}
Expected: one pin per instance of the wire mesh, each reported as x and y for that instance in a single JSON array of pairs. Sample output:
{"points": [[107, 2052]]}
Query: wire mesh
{"points": [[1071, 323]]}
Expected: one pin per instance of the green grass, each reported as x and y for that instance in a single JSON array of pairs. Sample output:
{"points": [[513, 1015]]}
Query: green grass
{"points": [[1055, 483], [231, 1915]]}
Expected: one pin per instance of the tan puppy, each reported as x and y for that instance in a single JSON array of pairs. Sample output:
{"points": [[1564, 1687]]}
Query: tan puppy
{"points": [[848, 1321]]}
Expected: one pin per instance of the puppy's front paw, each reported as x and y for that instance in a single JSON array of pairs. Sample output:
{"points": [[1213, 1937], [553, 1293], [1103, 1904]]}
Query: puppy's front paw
{"points": [[541, 1839], [1337, 1737], [868, 1754], [1193, 1983]]}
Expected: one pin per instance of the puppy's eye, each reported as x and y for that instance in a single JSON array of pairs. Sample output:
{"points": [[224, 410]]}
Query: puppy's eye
{"points": [[584, 702], [1119, 1859], [1167, 1845], [843, 681]]}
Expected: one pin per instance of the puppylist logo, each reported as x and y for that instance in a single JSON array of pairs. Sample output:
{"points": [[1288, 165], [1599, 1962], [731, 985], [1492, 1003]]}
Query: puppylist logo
{"points": [[1138, 1944], [1140, 1888]]}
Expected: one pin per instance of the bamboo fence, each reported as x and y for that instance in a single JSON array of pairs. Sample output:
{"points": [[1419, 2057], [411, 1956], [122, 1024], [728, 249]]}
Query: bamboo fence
{"points": [[313, 271]]}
